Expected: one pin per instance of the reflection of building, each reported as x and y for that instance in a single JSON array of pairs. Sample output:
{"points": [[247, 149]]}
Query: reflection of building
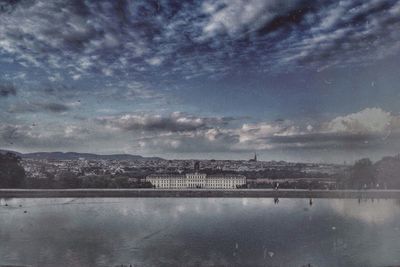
{"points": [[197, 180]]}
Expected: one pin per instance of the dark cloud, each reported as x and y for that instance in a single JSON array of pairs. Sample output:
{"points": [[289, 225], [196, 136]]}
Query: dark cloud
{"points": [[54, 107], [175, 122], [7, 6], [198, 37], [27, 107], [327, 141], [7, 90], [43, 136]]}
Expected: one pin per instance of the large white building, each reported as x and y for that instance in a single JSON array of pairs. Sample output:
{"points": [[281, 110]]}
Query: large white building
{"points": [[196, 180]]}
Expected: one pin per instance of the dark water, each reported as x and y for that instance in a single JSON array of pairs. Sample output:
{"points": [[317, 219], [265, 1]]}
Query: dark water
{"points": [[199, 232]]}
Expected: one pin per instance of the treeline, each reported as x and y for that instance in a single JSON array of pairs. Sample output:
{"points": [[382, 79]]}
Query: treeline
{"points": [[300, 184], [364, 174], [12, 175], [271, 173], [71, 180], [283, 174]]}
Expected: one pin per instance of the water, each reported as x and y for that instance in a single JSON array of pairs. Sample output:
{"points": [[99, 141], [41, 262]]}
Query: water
{"points": [[199, 232]]}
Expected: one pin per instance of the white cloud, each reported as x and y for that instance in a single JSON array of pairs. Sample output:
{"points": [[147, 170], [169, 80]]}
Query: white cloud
{"points": [[154, 61], [251, 132], [367, 121], [238, 16]]}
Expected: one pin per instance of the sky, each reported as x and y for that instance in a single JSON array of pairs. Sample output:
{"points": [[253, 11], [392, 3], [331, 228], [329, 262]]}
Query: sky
{"points": [[311, 81]]}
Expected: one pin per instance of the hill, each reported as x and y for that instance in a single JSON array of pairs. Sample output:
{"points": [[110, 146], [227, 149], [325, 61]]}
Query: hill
{"points": [[76, 155]]}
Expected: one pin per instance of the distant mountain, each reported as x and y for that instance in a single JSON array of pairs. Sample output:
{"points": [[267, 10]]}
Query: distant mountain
{"points": [[75, 155], [4, 151]]}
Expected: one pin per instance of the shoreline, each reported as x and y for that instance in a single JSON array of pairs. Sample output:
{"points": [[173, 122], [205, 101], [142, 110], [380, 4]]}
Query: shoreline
{"points": [[198, 193]]}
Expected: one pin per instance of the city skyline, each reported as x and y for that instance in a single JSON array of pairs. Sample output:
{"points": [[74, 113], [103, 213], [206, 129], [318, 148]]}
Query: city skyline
{"points": [[202, 79]]}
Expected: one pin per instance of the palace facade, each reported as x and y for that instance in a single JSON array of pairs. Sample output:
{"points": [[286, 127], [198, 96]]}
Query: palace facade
{"points": [[196, 180]]}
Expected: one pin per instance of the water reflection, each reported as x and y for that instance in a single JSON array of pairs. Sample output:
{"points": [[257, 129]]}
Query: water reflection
{"points": [[199, 232]]}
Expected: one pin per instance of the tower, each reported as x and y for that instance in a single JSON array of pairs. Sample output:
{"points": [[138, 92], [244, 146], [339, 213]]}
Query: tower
{"points": [[254, 159]]}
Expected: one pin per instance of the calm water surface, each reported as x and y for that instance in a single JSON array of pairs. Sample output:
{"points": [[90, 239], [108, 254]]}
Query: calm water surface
{"points": [[199, 232]]}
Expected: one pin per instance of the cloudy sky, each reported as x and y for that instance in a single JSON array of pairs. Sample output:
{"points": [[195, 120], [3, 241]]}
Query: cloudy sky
{"points": [[291, 80]]}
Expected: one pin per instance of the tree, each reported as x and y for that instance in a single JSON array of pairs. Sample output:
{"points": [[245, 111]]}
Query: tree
{"points": [[94, 181], [388, 172], [363, 174], [68, 179], [12, 174]]}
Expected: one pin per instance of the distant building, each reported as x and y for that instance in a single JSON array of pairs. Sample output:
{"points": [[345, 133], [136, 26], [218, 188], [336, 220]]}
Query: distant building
{"points": [[254, 159], [196, 180]]}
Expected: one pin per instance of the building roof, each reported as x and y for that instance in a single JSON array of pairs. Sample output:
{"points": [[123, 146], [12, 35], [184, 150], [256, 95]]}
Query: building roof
{"points": [[165, 175], [212, 176]]}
